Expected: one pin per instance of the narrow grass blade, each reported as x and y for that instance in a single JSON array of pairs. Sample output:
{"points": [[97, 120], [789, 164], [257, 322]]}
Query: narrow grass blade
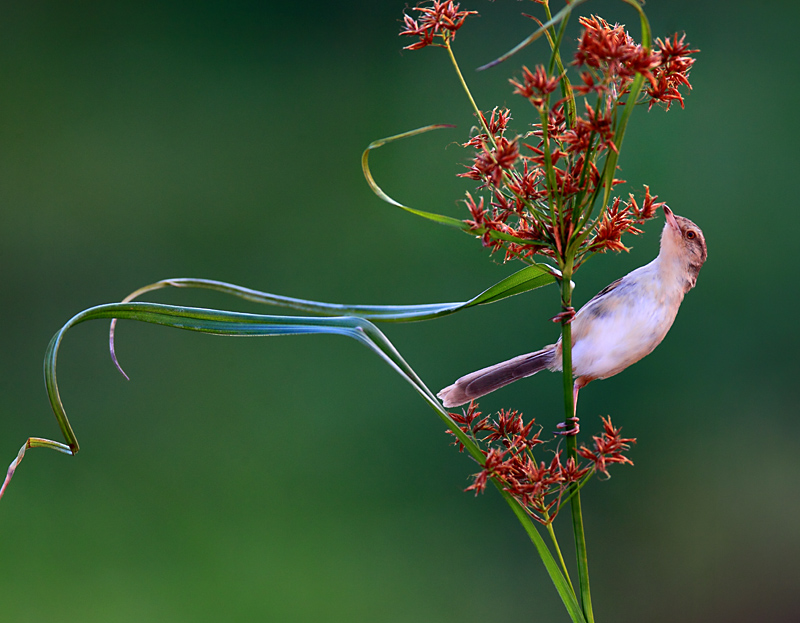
{"points": [[610, 168], [529, 278], [436, 218], [257, 325], [535, 35]]}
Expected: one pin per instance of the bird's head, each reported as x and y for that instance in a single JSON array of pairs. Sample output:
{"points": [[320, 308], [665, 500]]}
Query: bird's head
{"points": [[683, 242]]}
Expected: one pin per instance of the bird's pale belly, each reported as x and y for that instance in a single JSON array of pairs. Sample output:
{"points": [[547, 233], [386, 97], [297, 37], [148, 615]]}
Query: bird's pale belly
{"points": [[604, 344]]}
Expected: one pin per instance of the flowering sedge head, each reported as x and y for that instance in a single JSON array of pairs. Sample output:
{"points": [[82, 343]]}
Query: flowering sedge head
{"points": [[435, 25], [535, 85], [546, 186], [608, 448], [507, 443], [671, 72]]}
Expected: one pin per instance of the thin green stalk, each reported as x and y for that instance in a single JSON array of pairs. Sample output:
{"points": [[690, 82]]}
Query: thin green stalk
{"points": [[580, 485], [562, 584], [571, 442], [550, 175], [582, 213], [580, 545], [506, 175], [552, 534], [467, 91], [555, 59]]}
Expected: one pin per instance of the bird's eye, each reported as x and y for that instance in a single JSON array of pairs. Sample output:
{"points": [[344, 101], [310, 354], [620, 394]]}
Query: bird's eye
{"points": [[691, 235]]}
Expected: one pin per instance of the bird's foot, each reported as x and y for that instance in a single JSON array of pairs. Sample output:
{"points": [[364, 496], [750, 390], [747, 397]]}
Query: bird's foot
{"points": [[565, 316], [569, 428]]}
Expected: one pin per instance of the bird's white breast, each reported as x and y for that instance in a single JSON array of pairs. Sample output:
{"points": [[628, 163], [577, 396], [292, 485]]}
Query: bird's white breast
{"points": [[617, 329]]}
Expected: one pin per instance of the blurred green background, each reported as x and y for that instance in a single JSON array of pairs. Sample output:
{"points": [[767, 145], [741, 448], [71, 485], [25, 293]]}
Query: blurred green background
{"points": [[300, 479]]}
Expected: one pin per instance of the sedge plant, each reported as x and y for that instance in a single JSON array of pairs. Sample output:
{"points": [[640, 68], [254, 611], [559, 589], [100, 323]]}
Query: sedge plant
{"points": [[544, 197]]}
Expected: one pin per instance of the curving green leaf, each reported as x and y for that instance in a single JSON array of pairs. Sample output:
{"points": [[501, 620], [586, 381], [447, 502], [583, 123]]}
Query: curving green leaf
{"points": [[529, 278], [239, 324], [436, 218], [257, 325], [558, 17]]}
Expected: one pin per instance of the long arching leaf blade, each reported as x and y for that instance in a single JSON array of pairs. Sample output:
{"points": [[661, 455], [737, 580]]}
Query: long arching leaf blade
{"points": [[437, 218], [242, 324], [529, 278], [535, 35]]}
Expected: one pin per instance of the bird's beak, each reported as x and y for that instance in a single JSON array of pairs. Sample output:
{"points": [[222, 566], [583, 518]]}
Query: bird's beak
{"points": [[671, 219]]}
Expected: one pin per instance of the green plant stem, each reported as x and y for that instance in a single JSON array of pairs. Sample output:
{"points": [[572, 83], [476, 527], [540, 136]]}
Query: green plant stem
{"points": [[552, 534], [555, 59], [571, 442], [469, 94], [562, 584], [549, 173]]}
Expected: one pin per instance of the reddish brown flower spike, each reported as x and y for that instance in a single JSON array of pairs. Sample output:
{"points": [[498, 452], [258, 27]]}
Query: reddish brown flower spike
{"points": [[649, 206], [476, 210], [442, 19], [610, 52], [620, 218], [588, 126], [498, 121], [615, 222], [608, 448], [671, 72], [506, 443], [536, 85], [602, 44], [491, 162]]}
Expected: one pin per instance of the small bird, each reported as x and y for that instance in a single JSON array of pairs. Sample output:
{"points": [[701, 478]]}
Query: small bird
{"points": [[624, 322]]}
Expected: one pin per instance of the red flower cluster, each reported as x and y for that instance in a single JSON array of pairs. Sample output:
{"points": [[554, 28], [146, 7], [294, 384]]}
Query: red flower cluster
{"points": [[496, 233], [543, 193], [441, 20], [608, 448], [496, 155], [611, 57], [671, 72], [506, 443], [491, 162], [535, 85], [622, 217]]}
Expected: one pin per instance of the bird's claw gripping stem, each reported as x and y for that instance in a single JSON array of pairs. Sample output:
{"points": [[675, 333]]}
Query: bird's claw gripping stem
{"points": [[569, 428], [566, 316]]}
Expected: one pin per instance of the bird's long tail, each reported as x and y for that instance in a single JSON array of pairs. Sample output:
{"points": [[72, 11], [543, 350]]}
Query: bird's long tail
{"points": [[482, 382]]}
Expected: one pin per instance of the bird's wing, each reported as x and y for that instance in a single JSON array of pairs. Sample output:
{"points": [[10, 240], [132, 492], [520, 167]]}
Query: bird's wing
{"points": [[609, 288]]}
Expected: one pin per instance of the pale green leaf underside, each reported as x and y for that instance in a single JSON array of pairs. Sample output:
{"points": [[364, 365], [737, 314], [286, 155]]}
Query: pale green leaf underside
{"points": [[257, 325], [529, 278]]}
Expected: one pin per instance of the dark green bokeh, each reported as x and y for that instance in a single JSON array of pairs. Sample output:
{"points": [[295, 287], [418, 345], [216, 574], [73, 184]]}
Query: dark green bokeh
{"points": [[300, 479]]}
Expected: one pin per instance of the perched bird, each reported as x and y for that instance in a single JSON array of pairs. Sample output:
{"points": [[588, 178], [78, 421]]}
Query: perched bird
{"points": [[624, 322]]}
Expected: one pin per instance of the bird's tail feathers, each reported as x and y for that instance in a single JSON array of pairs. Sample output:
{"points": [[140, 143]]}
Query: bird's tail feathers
{"points": [[482, 382]]}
